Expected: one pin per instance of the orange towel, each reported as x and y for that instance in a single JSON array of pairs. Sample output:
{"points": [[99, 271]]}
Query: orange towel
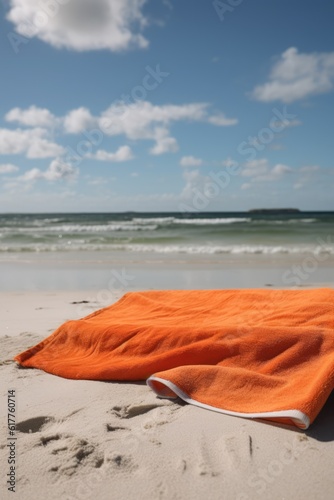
{"points": [[250, 353]]}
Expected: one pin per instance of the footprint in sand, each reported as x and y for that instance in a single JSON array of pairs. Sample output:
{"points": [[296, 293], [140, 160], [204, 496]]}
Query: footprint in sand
{"points": [[208, 464], [113, 428], [154, 415], [71, 453], [133, 411], [120, 462], [7, 362], [150, 416], [159, 414], [33, 425], [228, 452], [76, 453], [67, 453]]}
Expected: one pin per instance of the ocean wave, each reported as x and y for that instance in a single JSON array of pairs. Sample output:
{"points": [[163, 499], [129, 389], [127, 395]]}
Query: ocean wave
{"points": [[62, 226], [153, 220], [303, 221], [204, 222], [137, 224], [81, 228], [283, 221], [173, 249], [229, 249], [190, 221]]}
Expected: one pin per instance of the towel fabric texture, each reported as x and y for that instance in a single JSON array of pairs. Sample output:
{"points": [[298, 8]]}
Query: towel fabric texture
{"points": [[250, 353]]}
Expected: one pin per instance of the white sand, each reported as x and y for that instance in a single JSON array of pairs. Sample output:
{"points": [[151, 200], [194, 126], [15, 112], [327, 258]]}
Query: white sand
{"points": [[101, 440]]}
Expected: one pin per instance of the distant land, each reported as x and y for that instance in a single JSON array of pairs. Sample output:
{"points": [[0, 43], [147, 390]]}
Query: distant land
{"points": [[274, 210]]}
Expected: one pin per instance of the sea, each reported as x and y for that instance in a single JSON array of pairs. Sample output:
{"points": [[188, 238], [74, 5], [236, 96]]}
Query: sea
{"points": [[209, 233]]}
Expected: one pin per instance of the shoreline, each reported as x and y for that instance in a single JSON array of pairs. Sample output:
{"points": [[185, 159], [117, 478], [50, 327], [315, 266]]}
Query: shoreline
{"points": [[114, 271]]}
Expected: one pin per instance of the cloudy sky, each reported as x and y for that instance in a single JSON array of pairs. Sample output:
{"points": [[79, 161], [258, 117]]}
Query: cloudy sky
{"points": [[116, 105]]}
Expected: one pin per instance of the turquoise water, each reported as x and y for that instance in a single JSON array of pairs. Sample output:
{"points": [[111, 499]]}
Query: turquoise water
{"points": [[169, 233]]}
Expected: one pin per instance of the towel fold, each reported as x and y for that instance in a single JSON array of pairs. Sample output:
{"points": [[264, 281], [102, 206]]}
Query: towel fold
{"points": [[250, 353]]}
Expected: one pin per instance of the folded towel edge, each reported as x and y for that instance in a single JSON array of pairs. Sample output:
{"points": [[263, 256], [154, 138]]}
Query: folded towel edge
{"points": [[300, 419]]}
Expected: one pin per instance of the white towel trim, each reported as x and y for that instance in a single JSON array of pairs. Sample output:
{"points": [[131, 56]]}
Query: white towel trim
{"points": [[299, 418]]}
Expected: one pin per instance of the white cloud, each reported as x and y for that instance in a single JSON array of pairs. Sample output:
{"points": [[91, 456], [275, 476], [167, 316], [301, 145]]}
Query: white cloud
{"points": [[260, 170], [60, 170], [280, 169], [81, 24], [286, 124], [57, 170], [78, 120], [123, 153], [143, 120], [31, 175], [164, 143], [140, 120], [31, 142], [190, 161], [297, 76], [254, 168], [31, 117], [221, 121], [8, 168]]}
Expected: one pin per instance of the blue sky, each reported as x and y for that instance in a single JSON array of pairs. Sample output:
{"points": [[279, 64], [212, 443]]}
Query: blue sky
{"points": [[116, 105]]}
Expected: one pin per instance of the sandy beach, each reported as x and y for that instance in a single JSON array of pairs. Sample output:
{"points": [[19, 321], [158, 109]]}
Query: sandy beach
{"points": [[80, 439], [105, 273]]}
